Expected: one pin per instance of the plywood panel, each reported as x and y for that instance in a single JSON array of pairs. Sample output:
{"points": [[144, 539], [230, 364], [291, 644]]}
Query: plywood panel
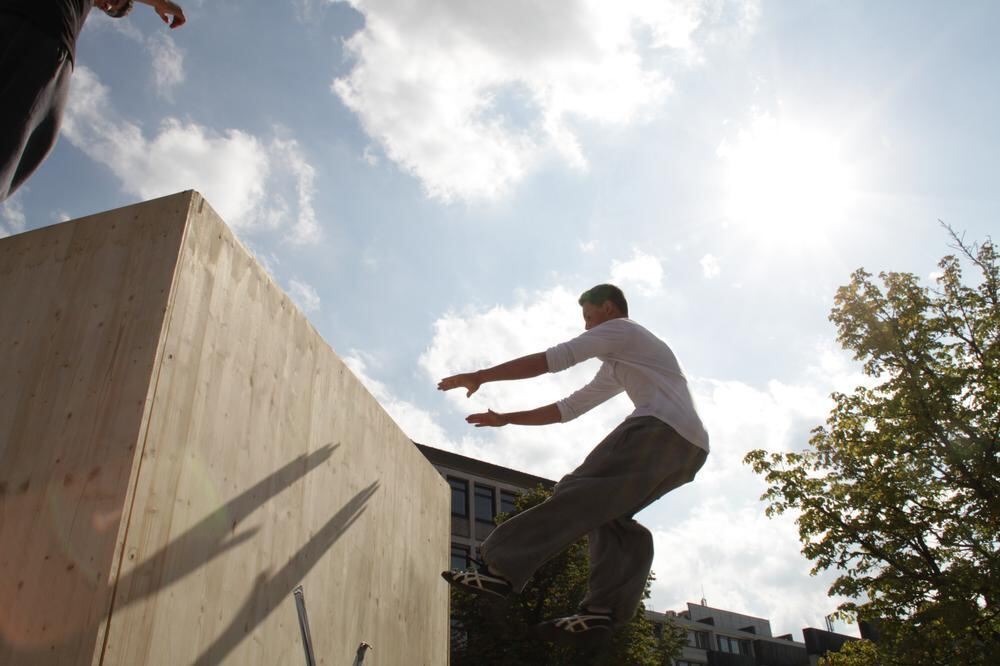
{"points": [[265, 464], [81, 310]]}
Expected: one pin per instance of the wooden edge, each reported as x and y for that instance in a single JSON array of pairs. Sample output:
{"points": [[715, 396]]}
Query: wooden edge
{"points": [[193, 198]]}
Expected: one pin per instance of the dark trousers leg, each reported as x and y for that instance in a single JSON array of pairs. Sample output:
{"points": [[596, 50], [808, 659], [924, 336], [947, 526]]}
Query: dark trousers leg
{"points": [[621, 551], [34, 85], [639, 461]]}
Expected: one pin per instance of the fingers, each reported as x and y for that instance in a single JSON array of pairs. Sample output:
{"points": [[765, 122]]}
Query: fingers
{"points": [[456, 381], [448, 383], [478, 420], [488, 419]]}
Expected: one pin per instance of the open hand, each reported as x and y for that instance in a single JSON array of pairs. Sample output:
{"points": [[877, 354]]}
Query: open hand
{"points": [[487, 419], [467, 380]]}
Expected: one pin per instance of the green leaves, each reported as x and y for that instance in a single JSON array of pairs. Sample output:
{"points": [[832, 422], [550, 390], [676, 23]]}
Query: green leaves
{"points": [[898, 492]]}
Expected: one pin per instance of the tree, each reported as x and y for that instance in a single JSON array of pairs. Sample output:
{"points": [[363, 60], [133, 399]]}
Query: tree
{"points": [[504, 634], [900, 491], [856, 653]]}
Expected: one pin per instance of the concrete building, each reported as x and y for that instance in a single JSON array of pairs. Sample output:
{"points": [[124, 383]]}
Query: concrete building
{"points": [[723, 638], [180, 449], [717, 637]]}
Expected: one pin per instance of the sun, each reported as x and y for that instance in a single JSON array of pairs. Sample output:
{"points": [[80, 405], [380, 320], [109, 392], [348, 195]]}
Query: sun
{"points": [[785, 184]]}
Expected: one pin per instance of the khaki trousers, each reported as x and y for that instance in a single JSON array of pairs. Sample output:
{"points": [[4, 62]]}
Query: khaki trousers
{"points": [[639, 462]]}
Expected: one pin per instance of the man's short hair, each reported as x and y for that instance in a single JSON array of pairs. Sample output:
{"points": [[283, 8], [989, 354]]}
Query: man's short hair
{"points": [[605, 292]]}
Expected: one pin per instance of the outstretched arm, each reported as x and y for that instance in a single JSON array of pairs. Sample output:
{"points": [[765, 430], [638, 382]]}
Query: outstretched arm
{"points": [[540, 416], [166, 8], [525, 367]]}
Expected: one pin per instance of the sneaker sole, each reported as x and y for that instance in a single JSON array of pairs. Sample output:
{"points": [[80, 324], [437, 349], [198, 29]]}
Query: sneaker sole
{"points": [[590, 638], [479, 592]]}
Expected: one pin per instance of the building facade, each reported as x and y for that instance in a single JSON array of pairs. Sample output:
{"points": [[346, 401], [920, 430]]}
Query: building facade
{"points": [[720, 637], [717, 637]]}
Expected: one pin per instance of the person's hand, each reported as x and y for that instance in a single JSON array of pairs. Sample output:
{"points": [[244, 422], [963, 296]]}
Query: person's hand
{"points": [[166, 8], [487, 419], [467, 380]]}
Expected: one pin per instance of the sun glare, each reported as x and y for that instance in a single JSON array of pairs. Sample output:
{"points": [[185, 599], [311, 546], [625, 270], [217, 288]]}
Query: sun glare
{"points": [[785, 184]]}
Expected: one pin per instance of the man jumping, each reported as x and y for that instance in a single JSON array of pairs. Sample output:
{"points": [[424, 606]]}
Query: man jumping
{"points": [[660, 446]]}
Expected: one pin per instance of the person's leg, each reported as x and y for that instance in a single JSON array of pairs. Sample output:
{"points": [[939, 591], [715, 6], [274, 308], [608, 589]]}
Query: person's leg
{"points": [[34, 84], [621, 554], [620, 476], [621, 551]]}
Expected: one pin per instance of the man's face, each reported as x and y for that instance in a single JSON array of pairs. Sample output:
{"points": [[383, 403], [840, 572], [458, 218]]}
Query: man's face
{"points": [[597, 314]]}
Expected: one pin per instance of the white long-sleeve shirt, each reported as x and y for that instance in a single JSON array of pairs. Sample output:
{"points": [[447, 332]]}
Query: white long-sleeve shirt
{"points": [[634, 361]]}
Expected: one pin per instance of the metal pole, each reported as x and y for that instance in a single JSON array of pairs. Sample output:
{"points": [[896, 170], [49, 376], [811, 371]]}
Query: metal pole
{"points": [[307, 645]]}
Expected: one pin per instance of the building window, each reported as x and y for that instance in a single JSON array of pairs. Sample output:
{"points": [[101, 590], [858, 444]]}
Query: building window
{"points": [[697, 639], [486, 510], [459, 556], [459, 506], [734, 646], [507, 499]]}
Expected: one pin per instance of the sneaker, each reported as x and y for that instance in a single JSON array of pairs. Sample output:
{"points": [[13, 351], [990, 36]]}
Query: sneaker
{"points": [[581, 628], [482, 582]]}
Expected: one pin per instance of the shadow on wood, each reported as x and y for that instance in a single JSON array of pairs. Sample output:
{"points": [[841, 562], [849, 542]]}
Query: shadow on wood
{"points": [[270, 591], [204, 538]]}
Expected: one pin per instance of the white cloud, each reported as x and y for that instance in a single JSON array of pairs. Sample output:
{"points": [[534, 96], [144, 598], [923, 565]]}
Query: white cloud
{"points": [[167, 58], [247, 180], [14, 219], [168, 63], [743, 561], [710, 267], [713, 534], [740, 417], [305, 229], [304, 295], [470, 97], [642, 271], [588, 247], [418, 424]]}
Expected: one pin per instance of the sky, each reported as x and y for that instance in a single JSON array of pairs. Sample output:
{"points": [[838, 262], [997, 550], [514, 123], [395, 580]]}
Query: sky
{"points": [[435, 183]]}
